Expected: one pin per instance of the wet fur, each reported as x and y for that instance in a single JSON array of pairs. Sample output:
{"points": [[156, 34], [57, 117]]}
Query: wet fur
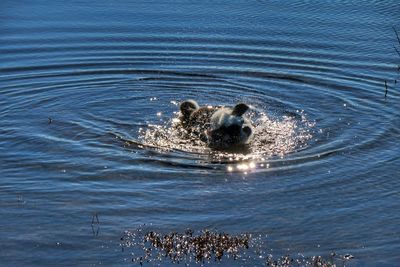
{"points": [[220, 127]]}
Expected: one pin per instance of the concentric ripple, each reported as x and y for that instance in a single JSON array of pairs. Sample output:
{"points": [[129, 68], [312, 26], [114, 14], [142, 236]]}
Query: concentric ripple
{"points": [[273, 136], [90, 93]]}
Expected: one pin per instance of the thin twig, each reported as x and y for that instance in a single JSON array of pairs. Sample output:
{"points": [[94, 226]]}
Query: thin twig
{"points": [[97, 218], [398, 40], [395, 48], [397, 34]]}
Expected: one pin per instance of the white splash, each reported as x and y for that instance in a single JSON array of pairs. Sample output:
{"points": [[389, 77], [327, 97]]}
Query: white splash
{"points": [[273, 137]]}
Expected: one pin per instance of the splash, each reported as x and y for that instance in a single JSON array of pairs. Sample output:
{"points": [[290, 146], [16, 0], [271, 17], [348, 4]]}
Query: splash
{"points": [[278, 136], [273, 137], [171, 136]]}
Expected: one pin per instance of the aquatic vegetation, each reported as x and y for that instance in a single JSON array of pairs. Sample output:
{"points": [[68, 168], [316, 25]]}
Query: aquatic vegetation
{"points": [[180, 247], [207, 247], [89, 144]]}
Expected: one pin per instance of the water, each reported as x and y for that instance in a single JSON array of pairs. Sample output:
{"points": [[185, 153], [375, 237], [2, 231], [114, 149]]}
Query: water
{"points": [[89, 92]]}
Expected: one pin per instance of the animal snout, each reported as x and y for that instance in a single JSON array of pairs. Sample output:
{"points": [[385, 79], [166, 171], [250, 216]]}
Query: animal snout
{"points": [[247, 130]]}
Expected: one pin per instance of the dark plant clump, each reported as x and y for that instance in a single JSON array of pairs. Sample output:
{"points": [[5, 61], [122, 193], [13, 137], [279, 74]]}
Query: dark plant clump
{"points": [[208, 246], [180, 247]]}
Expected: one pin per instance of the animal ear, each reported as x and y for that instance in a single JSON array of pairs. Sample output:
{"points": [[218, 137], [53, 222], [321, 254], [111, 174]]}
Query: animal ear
{"points": [[188, 107], [240, 109]]}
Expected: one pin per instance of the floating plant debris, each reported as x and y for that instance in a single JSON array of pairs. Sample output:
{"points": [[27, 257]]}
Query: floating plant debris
{"points": [[180, 247], [208, 247]]}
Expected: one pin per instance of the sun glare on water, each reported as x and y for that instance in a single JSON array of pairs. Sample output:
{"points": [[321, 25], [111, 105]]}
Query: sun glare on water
{"points": [[273, 137]]}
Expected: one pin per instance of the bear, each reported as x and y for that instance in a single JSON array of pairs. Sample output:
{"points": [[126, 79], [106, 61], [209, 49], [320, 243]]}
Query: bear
{"points": [[220, 127]]}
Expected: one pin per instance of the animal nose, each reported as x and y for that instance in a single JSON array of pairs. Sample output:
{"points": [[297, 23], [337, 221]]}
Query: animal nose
{"points": [[247, 130]]}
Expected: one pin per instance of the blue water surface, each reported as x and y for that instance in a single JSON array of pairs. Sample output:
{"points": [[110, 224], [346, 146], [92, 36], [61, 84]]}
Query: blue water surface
{"points": [[88, 90]]}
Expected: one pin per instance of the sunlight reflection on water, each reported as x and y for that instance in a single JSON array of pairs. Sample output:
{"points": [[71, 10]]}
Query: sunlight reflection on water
{"points": [[273, 137]]}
